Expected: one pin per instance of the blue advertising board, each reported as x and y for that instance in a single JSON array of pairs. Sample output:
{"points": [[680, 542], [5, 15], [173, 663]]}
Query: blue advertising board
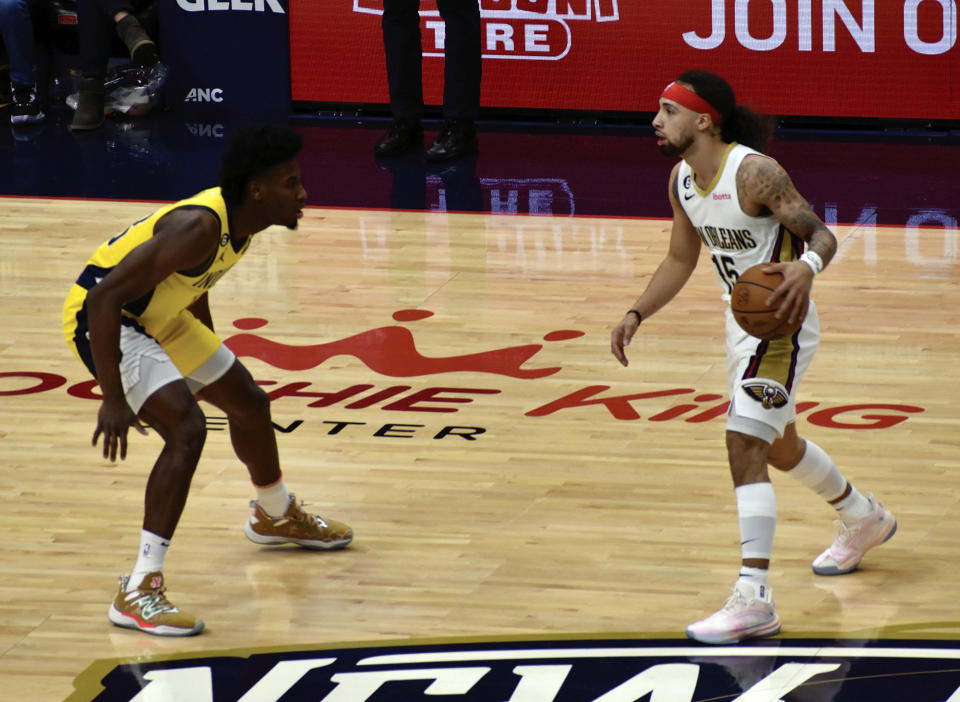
{"points": [[226, 58]]}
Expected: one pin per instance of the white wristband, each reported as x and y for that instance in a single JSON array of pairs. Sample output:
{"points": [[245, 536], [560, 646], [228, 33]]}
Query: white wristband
{"points": [[812, 259]]}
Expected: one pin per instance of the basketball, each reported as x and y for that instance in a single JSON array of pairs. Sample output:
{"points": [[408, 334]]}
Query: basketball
{"points": [[748, 303]]}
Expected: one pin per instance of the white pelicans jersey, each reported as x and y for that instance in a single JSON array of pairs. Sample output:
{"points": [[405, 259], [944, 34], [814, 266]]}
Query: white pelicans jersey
{"points": [[736, 240]]}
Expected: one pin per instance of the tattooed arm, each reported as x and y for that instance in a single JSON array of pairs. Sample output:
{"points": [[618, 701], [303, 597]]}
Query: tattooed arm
{"points": [[765, 188]]}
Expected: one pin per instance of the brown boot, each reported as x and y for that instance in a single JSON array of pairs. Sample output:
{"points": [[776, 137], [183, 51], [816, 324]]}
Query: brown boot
{"points": [[143, 50], [89, 114]]}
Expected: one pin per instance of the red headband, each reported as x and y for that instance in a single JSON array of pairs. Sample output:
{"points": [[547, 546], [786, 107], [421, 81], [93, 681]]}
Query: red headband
{"points": [[689, 99]]}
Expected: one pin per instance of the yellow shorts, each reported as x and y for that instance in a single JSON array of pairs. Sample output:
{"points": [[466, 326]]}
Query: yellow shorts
{"points": [[183, 349], [188, 342]]}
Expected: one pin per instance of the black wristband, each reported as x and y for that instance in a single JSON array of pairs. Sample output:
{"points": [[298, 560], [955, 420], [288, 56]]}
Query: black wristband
{"points": [[639, 318]]}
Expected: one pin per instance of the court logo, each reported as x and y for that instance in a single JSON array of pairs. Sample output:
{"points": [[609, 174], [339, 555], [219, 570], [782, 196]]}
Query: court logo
{"points": [[530, 30], [391, 351], [545, 671]]}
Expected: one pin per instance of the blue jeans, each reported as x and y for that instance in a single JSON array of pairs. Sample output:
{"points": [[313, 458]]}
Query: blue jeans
{"points": [[16, 27]]}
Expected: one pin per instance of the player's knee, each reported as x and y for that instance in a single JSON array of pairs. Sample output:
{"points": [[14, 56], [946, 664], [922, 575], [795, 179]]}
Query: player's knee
{"points": [[743, 442], [254, 407], [785, 453], [259, 401], [748, 458], [189, 434]]}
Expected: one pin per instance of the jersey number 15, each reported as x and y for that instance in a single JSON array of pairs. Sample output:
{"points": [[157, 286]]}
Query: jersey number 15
{"points": [[727, 269]]}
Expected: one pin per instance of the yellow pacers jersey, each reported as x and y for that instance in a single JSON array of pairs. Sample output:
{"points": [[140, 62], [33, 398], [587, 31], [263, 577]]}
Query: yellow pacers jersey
{"points": [[161, 312]]}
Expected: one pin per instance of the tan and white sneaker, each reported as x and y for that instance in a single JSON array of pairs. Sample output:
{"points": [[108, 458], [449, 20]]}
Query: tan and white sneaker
{"points": [[147, 608], [296, 527]]}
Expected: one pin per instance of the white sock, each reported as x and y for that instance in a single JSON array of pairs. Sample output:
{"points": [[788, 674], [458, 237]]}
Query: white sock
{"points": [[854, 507], [153, 550], [755, 579], [757, 510], [273, 498], [817, 471]]}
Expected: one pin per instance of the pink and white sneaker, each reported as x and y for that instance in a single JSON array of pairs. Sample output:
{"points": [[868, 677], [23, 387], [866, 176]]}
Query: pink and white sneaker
{"points": [[745, 615], [845, 553]]}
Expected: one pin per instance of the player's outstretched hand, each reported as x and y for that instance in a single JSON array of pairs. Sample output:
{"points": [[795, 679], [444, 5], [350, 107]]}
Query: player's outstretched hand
{"points": [[621, 336], [113, 420]]}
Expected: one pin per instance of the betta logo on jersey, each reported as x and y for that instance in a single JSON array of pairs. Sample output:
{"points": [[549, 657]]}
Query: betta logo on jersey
{"points": [[770, 396], [532, 30], [391, 351]]}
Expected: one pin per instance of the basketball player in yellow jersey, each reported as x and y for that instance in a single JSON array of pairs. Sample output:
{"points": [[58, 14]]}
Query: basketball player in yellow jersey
{"points": [[138, 317], [726, 194]]}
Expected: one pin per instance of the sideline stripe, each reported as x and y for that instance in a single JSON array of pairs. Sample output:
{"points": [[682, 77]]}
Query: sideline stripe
{"points": [[678, 652]]}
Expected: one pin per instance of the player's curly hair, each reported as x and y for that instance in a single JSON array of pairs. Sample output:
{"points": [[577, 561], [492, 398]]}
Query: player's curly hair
{"points": [[251, 151], [740, 123]]}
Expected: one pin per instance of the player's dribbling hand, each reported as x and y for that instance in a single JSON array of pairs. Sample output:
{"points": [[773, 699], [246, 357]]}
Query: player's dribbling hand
{"points": [[621, 336], [113, 420], [794, 290]]}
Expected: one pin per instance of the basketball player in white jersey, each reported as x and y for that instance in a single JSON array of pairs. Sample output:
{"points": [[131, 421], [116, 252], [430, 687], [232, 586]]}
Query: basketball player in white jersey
{"points": [[726, 194]]}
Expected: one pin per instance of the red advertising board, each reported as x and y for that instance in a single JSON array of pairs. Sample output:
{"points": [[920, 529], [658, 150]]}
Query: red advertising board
{"points": [[832, 58]]}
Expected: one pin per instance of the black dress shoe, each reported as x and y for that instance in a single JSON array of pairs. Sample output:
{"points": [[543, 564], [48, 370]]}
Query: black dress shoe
{"points": [[457, 138], [404, 135]]}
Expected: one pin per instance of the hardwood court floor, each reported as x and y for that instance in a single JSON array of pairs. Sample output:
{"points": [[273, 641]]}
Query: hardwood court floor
{"points": [[559, 518]]}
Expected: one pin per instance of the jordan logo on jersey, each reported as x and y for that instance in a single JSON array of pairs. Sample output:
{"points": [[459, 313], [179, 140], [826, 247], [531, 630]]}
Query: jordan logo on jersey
{"points": [[208, 280]]}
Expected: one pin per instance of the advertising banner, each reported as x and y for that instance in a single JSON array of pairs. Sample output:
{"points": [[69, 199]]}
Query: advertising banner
{"points": [[226, 57], [894, 59]]}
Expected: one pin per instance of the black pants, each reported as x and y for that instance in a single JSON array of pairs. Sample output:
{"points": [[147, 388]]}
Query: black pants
{"points": [[96, 32], [462, 50]]}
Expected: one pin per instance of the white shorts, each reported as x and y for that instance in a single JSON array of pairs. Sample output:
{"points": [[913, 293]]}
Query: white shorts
{"points": [[763, 377], [145, 367]]}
